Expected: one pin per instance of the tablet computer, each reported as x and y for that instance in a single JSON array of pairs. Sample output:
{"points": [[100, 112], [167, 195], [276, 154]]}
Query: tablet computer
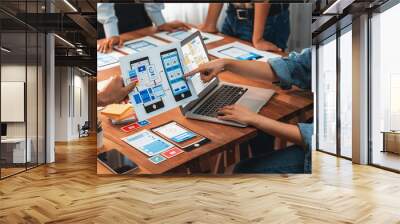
{"points": [[180, 136]]}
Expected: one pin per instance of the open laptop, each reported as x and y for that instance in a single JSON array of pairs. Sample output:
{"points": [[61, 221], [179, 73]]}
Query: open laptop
{"points": [[216, 94]]}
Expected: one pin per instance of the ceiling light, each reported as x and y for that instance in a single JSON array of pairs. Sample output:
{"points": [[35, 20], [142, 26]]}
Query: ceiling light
{"points": [[5, 50], [64, 40], [84, 71], [337, 7], [70, 5]]}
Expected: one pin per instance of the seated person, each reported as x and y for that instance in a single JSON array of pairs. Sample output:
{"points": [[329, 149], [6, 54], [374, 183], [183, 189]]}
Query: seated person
{"points": [[265, 25], [293, 70], [131, 17]]}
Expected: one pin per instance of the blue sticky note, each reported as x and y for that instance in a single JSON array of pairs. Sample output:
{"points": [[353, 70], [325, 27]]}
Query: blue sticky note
{"points": [[143, 123], [157, 159]]}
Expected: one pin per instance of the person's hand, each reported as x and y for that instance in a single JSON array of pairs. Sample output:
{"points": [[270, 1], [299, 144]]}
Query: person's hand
{"points": [[107, 45], [209, 70], [264, 45], [237, 113], [208, 28], [115, 91], [173, 26]]}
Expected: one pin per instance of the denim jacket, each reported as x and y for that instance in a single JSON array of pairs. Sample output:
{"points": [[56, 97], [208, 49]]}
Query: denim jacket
{"points": [[296, 70]]}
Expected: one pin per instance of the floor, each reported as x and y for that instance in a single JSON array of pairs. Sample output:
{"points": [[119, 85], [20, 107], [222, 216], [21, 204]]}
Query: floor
{"points": [[69, 191], [387, 159]]}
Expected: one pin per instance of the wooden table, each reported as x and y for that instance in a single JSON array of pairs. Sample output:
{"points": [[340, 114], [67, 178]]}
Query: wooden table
{"points": [[292, 106]]}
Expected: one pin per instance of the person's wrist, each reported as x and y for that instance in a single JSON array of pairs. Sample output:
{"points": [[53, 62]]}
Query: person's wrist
{"points": [[254, 120], [102, 99], [257, 39], [226, 63]]}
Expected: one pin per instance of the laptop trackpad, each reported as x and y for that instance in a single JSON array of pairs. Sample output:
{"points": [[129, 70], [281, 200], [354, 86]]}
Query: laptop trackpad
{"points": [[251, 103]]}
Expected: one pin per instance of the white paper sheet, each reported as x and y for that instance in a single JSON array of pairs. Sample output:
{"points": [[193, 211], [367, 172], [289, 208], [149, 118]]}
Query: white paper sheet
{"points": [[181, 34], [239, 51], [108, 60], [148, 143], [157, 90], [138, 45]]}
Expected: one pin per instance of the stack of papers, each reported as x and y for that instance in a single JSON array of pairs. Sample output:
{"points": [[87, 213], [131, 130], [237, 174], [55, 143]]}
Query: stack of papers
{"points": [[119, 112]]}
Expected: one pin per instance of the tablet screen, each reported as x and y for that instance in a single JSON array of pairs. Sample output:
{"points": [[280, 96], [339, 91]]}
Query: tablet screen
{"points": [[179, 135], [194, 55]]}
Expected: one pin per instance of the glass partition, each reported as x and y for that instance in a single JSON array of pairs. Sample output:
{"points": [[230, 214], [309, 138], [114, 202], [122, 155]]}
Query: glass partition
{"points": [[327, 96], [22, 91]]}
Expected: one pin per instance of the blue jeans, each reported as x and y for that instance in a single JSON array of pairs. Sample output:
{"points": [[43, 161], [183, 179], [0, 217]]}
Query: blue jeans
{"points": [[277, 27], [267, 160]]}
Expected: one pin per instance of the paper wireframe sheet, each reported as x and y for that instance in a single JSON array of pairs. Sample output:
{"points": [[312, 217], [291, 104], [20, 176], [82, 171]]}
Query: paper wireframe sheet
{"points": [[108, 60], [240, 51], [182, 34], [161, 84], [141, 44]]}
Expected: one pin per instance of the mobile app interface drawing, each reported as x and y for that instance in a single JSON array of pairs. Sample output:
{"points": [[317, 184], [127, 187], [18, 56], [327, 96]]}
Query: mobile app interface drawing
{"points": [[148, 91], [174, 72]]}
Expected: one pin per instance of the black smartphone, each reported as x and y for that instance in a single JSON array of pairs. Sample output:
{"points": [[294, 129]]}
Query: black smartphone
{"points": [[116, 162], [174, 71]]}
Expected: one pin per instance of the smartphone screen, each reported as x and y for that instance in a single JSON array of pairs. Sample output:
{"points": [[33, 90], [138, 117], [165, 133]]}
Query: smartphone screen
{"points": [[144, 73], [116, 161], [180, 136], [173, 69]]}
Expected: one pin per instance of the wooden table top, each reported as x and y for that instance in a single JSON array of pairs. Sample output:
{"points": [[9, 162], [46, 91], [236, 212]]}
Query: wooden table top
{"points": [[285, 105]]}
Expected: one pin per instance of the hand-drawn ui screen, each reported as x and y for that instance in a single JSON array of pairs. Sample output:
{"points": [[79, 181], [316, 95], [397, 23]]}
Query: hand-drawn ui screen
{"points": [[161, 85]]}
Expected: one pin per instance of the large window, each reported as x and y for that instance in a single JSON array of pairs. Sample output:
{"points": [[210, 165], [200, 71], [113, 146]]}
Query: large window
{"points": [[346, 92], [385, 89], [326, 95]]}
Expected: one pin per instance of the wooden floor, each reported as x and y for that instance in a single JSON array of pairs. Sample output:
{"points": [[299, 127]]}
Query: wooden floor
{"points": [[69, 191]]}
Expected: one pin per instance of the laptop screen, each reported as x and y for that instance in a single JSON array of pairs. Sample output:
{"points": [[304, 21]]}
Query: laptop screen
{"points": [[195, 54]]}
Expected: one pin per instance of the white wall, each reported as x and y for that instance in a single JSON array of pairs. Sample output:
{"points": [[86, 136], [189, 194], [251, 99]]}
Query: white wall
{"points": [[71, 93]]}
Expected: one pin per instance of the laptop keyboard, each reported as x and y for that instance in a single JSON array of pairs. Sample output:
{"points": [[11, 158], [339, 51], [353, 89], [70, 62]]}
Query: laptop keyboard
{"points": [[223, 96]]}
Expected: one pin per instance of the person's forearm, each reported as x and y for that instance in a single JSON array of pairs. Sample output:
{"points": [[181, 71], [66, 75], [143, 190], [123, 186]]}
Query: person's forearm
{"points": [[251, 69], [101, 99], [278, 129], [261, 11], [214, 9]]}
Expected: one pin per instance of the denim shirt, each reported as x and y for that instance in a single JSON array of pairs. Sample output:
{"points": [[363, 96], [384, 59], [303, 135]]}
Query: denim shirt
{"points": [[296, 70]]}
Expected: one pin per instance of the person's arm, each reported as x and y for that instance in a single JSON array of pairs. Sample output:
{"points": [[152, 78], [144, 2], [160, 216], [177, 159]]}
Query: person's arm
{"points": [[249, 69], [261, 12], [279, 129], [106, 16], [210, 25], [114, 92], [153, 10]]}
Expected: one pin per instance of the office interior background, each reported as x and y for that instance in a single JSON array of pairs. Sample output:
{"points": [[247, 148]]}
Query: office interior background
{"points": [[47, 72], [356, 81]]}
